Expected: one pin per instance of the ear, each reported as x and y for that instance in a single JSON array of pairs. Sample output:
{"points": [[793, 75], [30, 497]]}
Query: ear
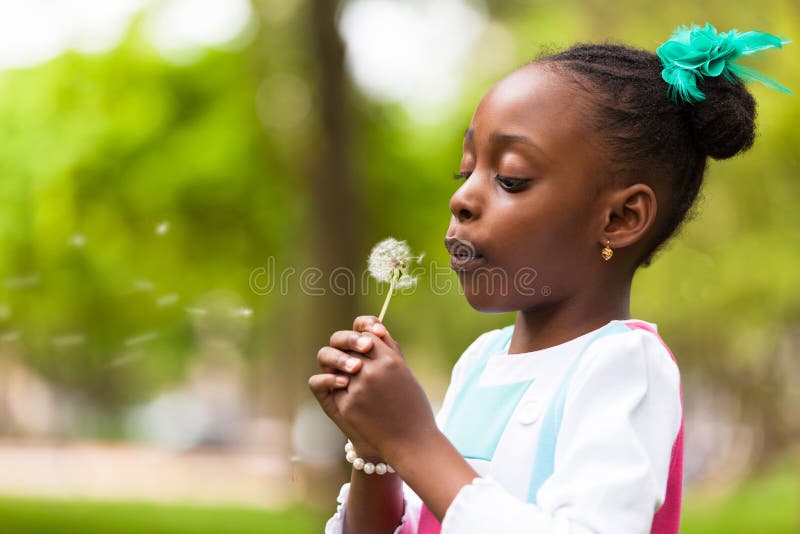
{"points": [[629, 214]]}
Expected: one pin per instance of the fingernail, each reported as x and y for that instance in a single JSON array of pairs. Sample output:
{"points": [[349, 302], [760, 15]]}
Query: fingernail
{"points": [[341, 380], [377, 328], [362, 343], [351, 364]]}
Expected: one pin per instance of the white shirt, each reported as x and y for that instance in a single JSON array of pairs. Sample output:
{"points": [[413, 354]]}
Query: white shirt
{"points": [[621, 417]]}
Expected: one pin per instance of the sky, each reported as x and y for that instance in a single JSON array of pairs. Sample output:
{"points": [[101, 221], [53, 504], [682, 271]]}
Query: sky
{"points": [[33, 31], [409, 51]]}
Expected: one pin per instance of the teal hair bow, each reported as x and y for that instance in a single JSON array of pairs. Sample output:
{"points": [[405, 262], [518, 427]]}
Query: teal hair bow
{"points": [[694, 53]]}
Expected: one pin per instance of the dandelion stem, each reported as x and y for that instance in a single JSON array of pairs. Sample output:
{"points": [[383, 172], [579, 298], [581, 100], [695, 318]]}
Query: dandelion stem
{"points": [[388, 298]]}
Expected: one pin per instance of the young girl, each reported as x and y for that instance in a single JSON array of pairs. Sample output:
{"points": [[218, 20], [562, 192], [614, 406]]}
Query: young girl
{"points": [[577, 168]]}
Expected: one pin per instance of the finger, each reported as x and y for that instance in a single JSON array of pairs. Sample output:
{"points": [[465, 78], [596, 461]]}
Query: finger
{"points": [[322, 385], [349, 340], [381, 346], [389, 340], [379, 330], [370, 323], [336, 360], [334, 370]]}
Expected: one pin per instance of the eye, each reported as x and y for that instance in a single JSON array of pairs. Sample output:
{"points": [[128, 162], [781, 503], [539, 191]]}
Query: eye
{"points": [[461, 175], [512, 185]]}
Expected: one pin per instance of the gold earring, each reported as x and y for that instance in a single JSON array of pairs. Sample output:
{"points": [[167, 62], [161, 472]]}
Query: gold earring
{"points": [[606, 253]]}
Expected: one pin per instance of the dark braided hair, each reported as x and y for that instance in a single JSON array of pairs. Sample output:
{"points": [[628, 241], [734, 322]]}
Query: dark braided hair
{"points": [[648, 134]]}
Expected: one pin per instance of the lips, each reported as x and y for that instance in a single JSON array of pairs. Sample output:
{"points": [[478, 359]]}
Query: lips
{"points": [[463, 254], [460, 247], [465, 264]]}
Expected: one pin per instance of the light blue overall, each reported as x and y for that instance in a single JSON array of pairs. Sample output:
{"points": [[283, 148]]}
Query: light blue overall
{"points": [[480, 414]]}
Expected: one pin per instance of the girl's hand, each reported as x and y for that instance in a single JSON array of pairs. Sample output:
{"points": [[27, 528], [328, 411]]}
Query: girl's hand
{"points": [[351, 345], [383, 404], [342, 356]]}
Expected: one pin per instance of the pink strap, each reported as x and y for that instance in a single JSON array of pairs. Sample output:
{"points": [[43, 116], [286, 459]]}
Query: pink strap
{"points": [[428, 524], [667, 519]]}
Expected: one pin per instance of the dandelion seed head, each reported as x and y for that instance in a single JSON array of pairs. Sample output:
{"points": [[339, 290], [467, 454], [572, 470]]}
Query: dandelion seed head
{"points": [[387, 256], [389, 261]]}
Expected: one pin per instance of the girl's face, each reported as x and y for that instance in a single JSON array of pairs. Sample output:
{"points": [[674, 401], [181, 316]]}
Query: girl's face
{"points": [[527, 211]]}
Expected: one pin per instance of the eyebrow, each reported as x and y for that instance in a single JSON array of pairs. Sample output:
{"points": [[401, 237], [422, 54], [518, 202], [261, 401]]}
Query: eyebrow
{"points": [[506, 139]]}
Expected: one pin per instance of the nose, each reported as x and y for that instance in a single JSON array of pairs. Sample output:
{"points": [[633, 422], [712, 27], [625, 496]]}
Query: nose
{"points": [[465, 202]]}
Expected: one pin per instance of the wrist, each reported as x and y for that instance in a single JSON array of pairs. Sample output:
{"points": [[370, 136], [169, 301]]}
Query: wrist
{"points": [[368, 464], [408, 453], [366, 452]]}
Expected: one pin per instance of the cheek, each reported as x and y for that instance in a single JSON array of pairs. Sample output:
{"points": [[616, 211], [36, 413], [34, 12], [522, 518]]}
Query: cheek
{"points": [[548, 239]]}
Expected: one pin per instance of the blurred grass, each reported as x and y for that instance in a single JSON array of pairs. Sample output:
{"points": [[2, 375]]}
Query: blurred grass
{"points": [[767, 504], [28, 516]]}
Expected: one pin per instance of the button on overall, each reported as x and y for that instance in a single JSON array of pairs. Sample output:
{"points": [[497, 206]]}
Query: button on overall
{"points": [[529, 412]]}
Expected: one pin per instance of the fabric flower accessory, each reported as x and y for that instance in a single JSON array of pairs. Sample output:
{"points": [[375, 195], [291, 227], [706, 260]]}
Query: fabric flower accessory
{"points": [[389, 262], [694, 53]]}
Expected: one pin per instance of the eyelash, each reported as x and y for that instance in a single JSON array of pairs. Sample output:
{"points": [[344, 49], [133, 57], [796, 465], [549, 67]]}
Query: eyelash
{"points": [[512, 185]]}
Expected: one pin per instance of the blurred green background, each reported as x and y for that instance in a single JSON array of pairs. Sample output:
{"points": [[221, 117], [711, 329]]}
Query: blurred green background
{"points": [[189, 192]]}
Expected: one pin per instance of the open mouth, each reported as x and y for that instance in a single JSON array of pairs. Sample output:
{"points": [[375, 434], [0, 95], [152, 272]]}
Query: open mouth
{"points": [[463, 254], [459, 247]]}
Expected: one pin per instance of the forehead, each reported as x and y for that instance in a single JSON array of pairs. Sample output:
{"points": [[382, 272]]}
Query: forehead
{"points": [[536, 102]]}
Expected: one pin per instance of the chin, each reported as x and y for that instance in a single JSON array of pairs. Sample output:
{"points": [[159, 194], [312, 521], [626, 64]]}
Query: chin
{"points": [[484, 296], [490, 308]]}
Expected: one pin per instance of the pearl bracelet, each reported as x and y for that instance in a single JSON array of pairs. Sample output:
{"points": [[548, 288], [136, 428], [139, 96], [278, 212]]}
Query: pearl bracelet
{"points": [[360, 464]]}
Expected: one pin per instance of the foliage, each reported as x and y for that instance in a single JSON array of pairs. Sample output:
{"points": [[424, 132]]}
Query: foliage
{"points": [[98, 151], [131, 188]]}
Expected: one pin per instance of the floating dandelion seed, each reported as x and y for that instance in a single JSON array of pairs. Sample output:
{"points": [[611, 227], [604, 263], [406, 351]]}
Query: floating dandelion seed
{"points": [[69, 340], [142, 338], [77, 240], [143, 284], [162, 228], [167, 300], [389, 262], [243, 312], [294, 459], [125, 359]]}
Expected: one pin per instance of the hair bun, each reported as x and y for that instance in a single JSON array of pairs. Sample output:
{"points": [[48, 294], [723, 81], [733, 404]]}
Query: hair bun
{"points": [[724, 123]]}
